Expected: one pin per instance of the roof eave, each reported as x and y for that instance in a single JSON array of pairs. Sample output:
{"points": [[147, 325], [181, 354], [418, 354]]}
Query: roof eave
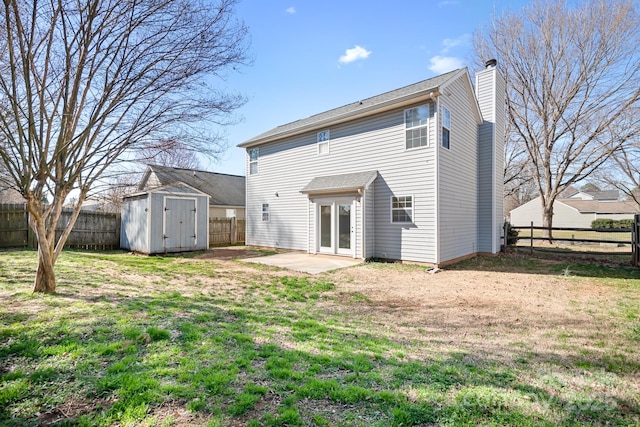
{"points": [[425, 95]]}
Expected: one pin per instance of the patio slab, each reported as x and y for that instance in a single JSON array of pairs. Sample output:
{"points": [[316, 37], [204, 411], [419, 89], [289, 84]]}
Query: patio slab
{"points": [[306, 263]]}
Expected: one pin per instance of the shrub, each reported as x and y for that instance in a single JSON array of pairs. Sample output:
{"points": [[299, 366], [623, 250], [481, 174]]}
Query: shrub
{"points": [[512, 234], [606, 223], [625, 223]]}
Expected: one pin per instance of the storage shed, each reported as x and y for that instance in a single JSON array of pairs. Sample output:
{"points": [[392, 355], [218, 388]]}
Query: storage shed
{"points": [[170, 218]]}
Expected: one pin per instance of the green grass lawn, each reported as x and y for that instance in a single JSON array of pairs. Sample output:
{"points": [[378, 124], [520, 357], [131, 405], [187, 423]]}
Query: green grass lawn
{"points": [[133, 340]]}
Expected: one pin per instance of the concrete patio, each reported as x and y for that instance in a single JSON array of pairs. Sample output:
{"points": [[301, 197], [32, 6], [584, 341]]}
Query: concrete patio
{"points": [[306, 263]]}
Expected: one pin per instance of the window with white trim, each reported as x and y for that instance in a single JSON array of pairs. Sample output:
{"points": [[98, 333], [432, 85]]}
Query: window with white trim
{"points": [[402, 209], [266, 214], [446, 128], [323, 142], [253, 161], [415, 123]]}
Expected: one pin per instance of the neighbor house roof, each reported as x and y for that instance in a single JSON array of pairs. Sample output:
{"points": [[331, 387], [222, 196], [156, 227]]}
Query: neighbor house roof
{"points": [[612, 195], [223, 189], [600, 207], [340, 183], [375, 104]]}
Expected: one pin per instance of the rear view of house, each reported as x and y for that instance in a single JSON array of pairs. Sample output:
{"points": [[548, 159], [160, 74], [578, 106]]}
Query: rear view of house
{"points": [[414, 174]]}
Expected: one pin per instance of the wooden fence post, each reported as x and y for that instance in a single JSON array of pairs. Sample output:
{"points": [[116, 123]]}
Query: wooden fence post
{"points": [[531, 238], [635, 241], [233, 235]]}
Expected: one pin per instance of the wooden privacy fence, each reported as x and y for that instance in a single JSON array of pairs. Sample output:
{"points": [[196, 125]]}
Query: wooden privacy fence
{"points": [[226, 231], [92, 230]]}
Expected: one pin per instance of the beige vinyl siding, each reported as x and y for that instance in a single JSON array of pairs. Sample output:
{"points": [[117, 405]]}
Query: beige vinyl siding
{"points": [[458, 169], [372, 143]]}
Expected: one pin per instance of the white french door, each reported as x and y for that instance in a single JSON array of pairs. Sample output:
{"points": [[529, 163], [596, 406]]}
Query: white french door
{"points": [[335, 227]]}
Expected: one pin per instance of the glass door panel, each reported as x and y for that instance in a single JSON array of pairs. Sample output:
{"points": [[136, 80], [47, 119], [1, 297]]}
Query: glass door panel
{"points": [[344, 226], [325, 226]]}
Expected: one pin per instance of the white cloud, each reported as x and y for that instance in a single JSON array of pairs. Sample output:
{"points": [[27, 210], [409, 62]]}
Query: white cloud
{"points": [[446, 3], [442, 64], [291, 10], [451, 43], [350, 55]]}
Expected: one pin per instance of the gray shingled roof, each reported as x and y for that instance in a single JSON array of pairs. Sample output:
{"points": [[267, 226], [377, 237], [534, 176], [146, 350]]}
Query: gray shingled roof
{"points": [[223, 189], [338, 183], [354, 108], [601, 207]]}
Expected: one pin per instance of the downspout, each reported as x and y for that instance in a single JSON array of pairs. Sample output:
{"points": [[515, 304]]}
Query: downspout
{"points": [[436, 174]]}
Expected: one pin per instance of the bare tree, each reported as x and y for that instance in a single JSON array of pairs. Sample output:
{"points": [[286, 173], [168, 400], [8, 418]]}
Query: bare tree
{"points": [[572, 74], [624, 172], [88, 81], [169, 152]]}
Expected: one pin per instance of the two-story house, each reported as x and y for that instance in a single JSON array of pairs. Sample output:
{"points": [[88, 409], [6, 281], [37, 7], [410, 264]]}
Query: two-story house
{"points": [[414, 174]]}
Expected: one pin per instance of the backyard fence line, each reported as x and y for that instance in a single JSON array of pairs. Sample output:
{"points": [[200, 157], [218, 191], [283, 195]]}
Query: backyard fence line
{"points": [[605, 237], [92, 230], [226, 231]]}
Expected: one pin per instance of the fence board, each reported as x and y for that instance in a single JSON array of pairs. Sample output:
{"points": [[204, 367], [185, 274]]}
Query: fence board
{"points": [[92, 230], [226, 231]]}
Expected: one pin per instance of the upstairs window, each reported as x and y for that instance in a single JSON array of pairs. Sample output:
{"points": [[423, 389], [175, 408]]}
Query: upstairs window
{"points": [[446, 128], [402, 209], [415, 124], [266, 215], [323, 142], [253, 161]]}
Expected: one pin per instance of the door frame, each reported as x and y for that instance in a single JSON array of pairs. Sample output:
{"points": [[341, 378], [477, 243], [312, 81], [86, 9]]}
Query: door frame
{"points": [[164, 221], [335, 203]]}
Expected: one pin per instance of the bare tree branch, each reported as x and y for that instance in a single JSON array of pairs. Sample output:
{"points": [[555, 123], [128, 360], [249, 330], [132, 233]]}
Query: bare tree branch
{"points": [[572, 75]]}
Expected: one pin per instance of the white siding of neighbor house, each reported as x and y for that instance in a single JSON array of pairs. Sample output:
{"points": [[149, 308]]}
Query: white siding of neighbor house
{"points": [[368, 201], [563, 215], [371, 143], [490, 89], [222, 212], [458, 170]]}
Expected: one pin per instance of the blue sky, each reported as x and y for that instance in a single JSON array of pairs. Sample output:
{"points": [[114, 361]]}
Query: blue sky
{"points": [[311, 56]]}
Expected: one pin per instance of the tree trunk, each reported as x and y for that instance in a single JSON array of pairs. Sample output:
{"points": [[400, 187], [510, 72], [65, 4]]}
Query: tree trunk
{"points": [[45, 278], [547, 221]]}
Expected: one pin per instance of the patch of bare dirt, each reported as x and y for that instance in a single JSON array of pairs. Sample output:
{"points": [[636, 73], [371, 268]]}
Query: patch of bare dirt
{"points": [[481, 312]]}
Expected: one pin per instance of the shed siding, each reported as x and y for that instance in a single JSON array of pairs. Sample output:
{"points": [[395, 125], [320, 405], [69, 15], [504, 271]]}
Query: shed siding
{"points": [[134, 226], [372, 143], [458, 169]]}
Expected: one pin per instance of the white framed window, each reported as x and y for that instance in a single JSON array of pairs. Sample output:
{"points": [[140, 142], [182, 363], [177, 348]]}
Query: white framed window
{"points": [[446, 128], [323, 142], [415, 123], [402, 209], [253, 161], [266, 213]]}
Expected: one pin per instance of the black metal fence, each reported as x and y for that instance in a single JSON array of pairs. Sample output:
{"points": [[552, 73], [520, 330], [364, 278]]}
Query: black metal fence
{"points": [[602, 240]]}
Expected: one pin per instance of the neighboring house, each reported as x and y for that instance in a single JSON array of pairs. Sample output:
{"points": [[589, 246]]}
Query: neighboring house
{"points": [[414, 174], [226, 192], [572, 212]]}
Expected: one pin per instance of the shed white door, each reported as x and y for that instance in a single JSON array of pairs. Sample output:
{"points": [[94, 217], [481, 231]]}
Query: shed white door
{"points": [[179, 224]]}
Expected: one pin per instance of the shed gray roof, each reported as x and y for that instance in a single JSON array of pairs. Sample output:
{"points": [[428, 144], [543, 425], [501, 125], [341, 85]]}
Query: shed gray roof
{"points": [[223, 189], [340, 183], [355, 108]]}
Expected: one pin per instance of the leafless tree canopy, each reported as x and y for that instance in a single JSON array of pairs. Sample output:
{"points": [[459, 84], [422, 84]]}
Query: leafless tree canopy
{"points": [[169, 152], [84, 82], [573, 78]]}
